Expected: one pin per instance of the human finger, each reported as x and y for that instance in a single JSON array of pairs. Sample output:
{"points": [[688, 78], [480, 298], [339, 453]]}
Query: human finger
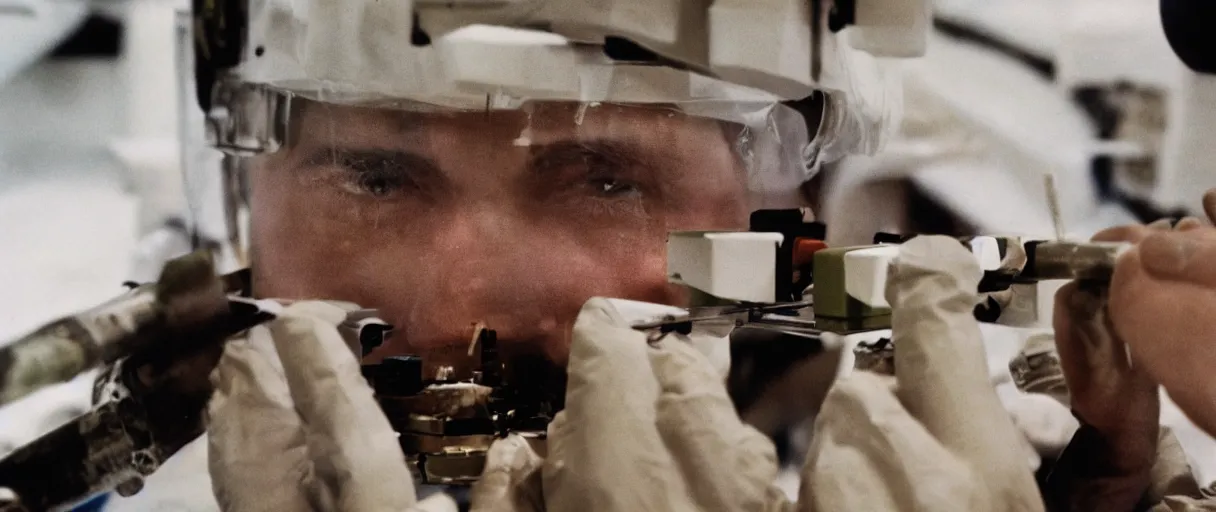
{"points": [[726, 464], [1161, 225], [1168, 326], [511, 480], [1130, 233], [1072, 353], [869, 453], [605, 452], [353, 448], [1188, 256], [1082, 339], [257, 456], [931, 287], [1190, 223], [1209, 205]]}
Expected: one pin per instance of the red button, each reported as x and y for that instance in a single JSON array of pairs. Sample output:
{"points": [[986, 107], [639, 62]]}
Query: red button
{"points": [[805, 249]]}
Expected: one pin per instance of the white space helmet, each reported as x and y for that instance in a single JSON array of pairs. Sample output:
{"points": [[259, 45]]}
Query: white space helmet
{"points": [[803, 90]]}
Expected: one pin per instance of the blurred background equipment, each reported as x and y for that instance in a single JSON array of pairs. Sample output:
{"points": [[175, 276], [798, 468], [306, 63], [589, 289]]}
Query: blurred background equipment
{"points": [[1113, 98]]}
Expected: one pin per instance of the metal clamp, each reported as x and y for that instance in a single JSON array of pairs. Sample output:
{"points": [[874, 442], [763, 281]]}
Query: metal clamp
{"points": [[247, 119]]}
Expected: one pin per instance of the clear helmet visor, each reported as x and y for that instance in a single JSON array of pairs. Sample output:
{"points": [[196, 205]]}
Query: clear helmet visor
{"points": [[447, 196], [511, 218]]}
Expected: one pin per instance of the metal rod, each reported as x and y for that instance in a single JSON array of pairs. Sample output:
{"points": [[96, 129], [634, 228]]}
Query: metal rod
{"points": [[723, 313]]}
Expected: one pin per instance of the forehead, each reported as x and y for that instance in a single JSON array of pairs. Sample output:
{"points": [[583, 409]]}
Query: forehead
{"points": [[538, 122]]}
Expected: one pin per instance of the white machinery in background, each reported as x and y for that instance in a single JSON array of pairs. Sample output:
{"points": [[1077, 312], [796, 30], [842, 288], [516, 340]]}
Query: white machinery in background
{"points": [[32, 28], [1160, 116], [1088, 91]]}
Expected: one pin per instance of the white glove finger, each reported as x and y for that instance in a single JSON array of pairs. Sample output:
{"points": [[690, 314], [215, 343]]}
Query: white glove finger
{"points": [[353, 448], [940, 362], [438, 502], [726, 464], [257, 454], [868, 453], [511, 481], [605, 453]]}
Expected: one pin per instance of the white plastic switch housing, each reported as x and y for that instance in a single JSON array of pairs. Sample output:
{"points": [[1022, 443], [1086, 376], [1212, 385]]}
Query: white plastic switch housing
{"points": [[891, 28], [740, 27], [729, 265], [865, 274], [1108, 43], [987, 252]]}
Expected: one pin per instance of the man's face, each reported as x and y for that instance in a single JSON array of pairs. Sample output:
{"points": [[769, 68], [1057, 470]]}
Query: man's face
{"points": [[511, 219]]}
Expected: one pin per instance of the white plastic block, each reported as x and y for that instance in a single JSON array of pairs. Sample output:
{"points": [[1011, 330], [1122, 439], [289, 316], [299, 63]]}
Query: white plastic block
{"points": [[865, 274], [762, 43], [987, 252], [729, 265], [891, 28]]}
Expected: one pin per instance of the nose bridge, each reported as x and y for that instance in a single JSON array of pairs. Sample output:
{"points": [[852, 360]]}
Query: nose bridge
{"points": [[473, 230], [486, 262], [489, 267]]}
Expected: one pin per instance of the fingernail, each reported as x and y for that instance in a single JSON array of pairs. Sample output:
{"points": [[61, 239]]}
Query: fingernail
{"points": [[1188, 223], [1160, 224], [1166, 254]]}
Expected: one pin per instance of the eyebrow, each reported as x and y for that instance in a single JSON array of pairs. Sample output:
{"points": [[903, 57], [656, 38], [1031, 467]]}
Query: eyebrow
{"points": [[614, 150], [368, 159], [544, 157]]}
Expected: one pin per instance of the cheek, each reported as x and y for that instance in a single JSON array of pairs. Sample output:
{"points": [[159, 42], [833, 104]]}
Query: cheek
{"points": [[297, 253], [636, 271]]}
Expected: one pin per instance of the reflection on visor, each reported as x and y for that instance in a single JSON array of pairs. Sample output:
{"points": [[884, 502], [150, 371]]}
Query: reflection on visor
{"points": [[441, 219], [510, 218]]}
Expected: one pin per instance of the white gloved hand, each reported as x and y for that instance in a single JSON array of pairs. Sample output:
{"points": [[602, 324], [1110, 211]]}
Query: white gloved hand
{"points": [[650, 427], [511, 481], [645, 427], [294, 426], [935, 437]]}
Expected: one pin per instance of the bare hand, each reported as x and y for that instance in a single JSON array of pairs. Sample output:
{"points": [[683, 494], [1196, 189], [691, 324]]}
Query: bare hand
{"points": [[1163, 304]]}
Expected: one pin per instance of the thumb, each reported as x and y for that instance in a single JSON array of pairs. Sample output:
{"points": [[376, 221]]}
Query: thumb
{"points": [[868, 453], [255, 440], [352, 446], [604, 449], [511, 481], [726, 464]]}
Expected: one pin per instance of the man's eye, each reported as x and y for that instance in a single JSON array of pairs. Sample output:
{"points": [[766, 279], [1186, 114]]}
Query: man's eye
{"points": [[377, 173], [377, 183], [614, 187]]}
